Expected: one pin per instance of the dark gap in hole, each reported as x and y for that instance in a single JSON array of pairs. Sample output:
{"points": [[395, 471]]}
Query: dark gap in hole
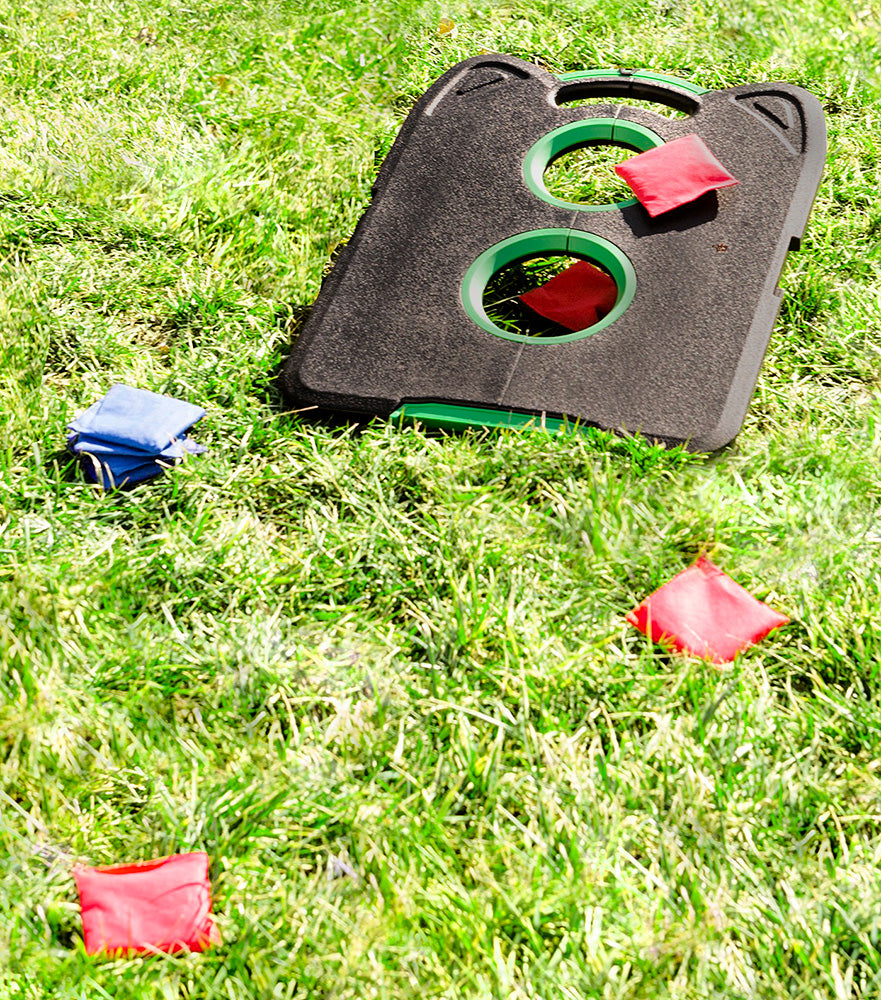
{"points": [[662, 102]]}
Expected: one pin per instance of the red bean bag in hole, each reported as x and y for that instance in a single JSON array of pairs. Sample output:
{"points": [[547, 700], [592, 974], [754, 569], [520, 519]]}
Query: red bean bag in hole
{"points": [[575, 298], [674, 174], [704, 612], [150, 906]]}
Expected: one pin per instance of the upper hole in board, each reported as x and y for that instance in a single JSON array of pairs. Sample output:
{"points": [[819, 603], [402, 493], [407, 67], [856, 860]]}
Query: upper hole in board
{"points": [[586, 175]]}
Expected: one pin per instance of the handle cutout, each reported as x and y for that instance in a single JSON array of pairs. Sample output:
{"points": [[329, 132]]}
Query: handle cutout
{"points": [[664, 108], [624, 86]]}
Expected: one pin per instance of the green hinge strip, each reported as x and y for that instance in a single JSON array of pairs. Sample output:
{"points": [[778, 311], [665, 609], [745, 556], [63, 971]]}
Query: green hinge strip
{"points": [[452, 416], [645, 75]]}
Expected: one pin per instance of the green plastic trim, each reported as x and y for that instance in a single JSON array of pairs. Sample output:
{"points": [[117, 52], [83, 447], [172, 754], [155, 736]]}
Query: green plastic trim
{"points": [[573, 135], [533, 244], [643, 74], [449, 416]]}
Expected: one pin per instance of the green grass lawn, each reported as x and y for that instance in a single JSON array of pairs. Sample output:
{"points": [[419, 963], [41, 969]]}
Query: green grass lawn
{"points": [[383, 677]]}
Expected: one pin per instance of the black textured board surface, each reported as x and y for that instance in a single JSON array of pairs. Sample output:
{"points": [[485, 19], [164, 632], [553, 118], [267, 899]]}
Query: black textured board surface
{"points": [[679, 365]]}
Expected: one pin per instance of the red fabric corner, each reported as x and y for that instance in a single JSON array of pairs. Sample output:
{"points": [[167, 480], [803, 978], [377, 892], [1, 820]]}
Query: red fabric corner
{"points": [[575, 298], [674, 174], [704, 612], [151, 906]]}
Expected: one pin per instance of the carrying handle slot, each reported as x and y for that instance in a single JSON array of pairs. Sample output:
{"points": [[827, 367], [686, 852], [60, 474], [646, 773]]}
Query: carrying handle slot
{"points": [[640, 85]]}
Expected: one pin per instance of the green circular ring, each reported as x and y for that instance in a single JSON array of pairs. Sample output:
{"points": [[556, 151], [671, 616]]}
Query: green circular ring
{"points": [[575, 134], [646, 76], [542, 241]]}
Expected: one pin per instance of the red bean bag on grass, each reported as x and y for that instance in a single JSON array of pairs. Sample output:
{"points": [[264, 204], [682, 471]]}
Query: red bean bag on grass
{"points": [[704, 612], [150, 906]]}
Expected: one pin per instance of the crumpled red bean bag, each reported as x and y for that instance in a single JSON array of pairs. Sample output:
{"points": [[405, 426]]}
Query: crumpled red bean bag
{"points": [[674, 174], [704, 612], [150, 906], [575, 298]]}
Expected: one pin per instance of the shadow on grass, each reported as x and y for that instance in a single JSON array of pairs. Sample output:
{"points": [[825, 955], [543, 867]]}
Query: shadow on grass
{"points": [[63, 465]]}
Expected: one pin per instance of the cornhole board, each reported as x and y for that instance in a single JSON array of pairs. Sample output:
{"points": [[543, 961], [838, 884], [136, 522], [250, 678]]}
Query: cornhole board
{"points": [[399, 326]]}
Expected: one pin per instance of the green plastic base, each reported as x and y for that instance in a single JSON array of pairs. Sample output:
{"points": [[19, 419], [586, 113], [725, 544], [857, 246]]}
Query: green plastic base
{"points": [[644, 75], [447, 416]]}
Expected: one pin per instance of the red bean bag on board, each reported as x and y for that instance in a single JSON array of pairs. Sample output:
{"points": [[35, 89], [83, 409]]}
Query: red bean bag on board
{"points": [[674, 174]]}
